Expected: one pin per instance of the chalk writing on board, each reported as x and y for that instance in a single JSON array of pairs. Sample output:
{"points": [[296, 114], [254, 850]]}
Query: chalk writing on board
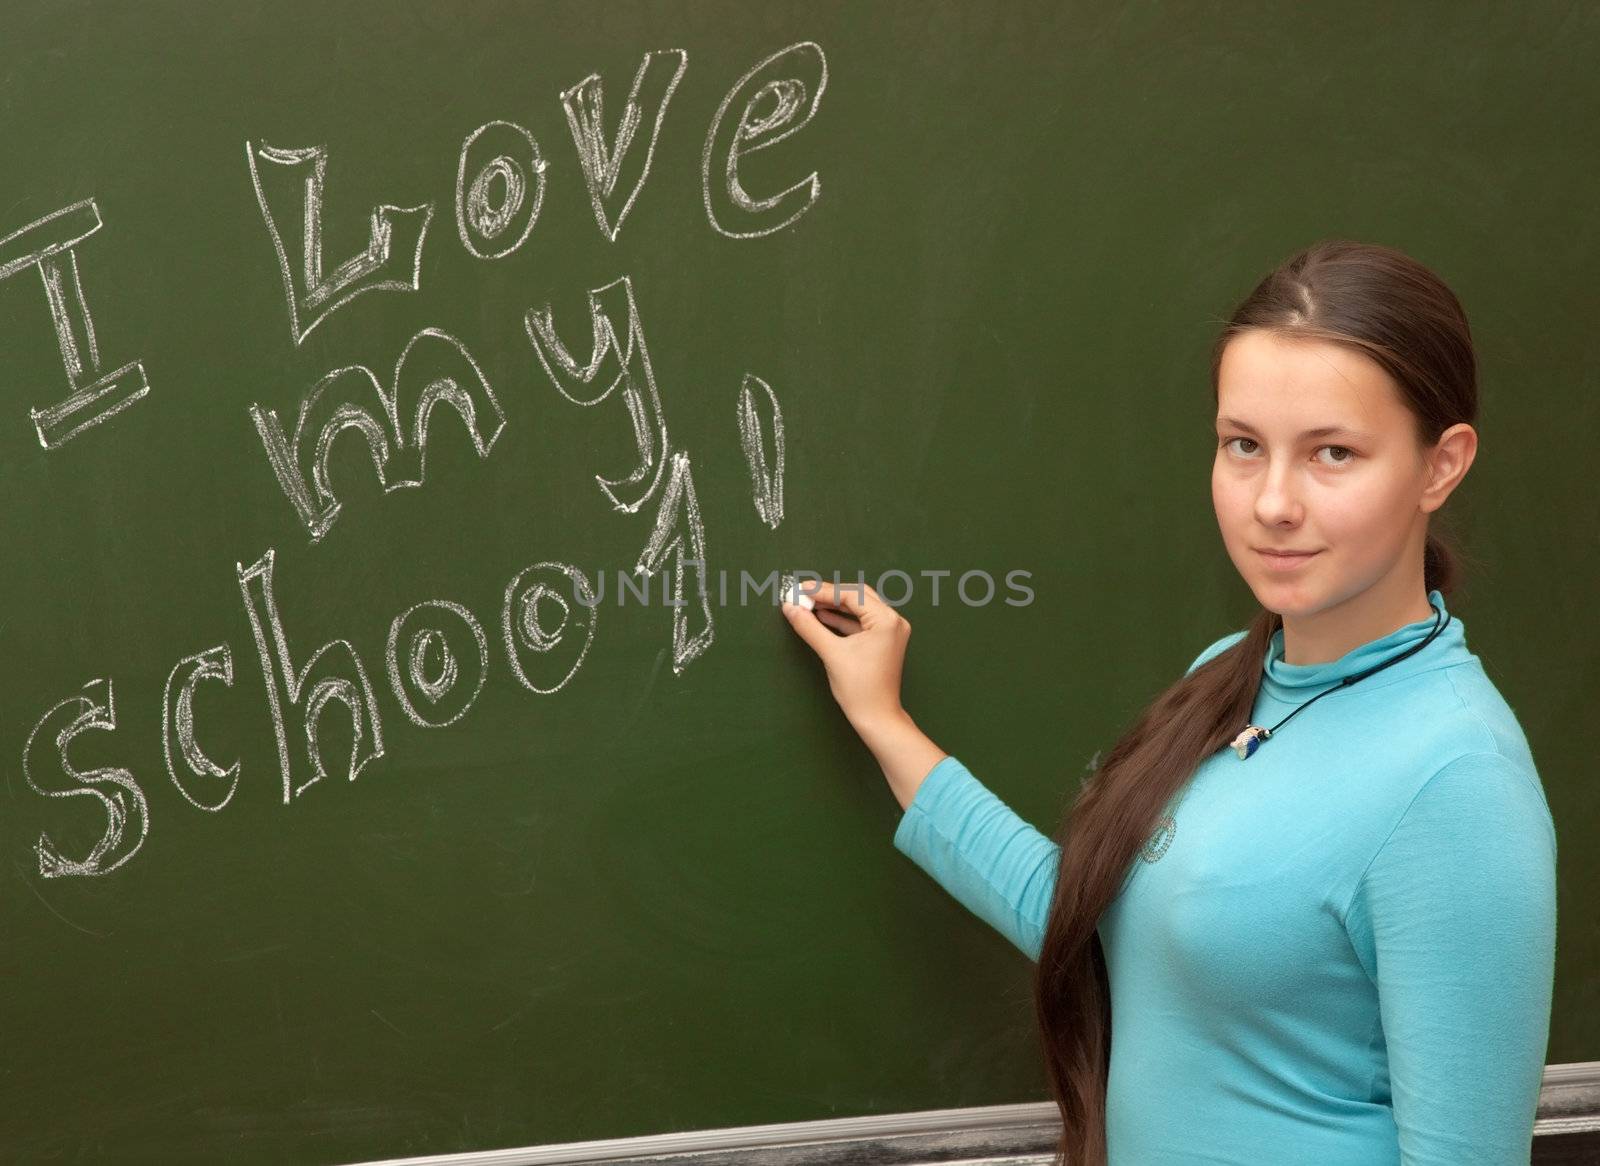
{"points": [[618, 358], [545, 656], [436, 657], [289, 186], [332, 674], [50, 246], [615, 171], [680, 534], [503, 152], [773, 100], [425, 672], [760, 415], [177, 730], [127, 815], [434, 368]]}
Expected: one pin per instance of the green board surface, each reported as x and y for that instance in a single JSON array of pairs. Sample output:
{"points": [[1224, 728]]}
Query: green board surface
{"points": [[637, 876]]}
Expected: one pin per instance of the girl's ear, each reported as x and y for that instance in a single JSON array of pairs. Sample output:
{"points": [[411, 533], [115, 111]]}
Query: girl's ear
{"points": [[1448, 462]]}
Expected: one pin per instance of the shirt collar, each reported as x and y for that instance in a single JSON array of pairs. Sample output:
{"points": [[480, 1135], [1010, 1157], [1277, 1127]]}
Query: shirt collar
{"points": [[1297, 682]]}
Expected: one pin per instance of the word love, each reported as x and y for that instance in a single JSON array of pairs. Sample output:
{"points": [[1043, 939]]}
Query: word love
{"points": [[500, 184]]}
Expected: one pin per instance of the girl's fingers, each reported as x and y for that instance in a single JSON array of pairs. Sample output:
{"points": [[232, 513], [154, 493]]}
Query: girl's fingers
{"points": [[842, 624], [855, 598], [810, 629]]}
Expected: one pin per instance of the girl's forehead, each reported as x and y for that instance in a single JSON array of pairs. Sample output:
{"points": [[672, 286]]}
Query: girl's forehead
{"points": [[1265, 379]]}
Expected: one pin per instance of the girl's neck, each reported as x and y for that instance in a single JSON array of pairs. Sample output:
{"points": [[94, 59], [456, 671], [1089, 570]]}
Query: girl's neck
{"points": [[1333, 632]]}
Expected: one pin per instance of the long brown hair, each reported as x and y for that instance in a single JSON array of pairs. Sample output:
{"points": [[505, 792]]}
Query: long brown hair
{"points": [[1387, 306]]}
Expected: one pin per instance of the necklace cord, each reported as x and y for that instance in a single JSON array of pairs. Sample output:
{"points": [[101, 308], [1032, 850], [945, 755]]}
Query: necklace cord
{"points": [[1349, 680]]}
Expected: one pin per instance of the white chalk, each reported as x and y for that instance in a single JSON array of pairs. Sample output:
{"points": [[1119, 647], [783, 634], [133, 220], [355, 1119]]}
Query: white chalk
{"points": [[792, 593]]}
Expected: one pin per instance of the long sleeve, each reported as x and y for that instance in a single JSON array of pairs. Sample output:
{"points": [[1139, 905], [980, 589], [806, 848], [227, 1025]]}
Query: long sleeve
{"points": [[975, 847], [1457, 915]]}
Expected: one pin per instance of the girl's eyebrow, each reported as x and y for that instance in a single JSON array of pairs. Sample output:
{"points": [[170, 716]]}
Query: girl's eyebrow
{"points": [[1323, 431]]}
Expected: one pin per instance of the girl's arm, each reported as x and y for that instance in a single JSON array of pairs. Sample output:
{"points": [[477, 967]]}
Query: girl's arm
{"points": [[861, 641], [972, 844], [1455, 920], [976, 847]]}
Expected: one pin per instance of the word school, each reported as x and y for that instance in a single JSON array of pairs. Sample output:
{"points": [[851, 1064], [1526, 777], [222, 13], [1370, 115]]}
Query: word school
{"points": [[436, 660]]}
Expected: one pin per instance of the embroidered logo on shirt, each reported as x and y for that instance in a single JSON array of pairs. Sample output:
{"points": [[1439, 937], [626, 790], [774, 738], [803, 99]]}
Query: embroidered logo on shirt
{"points": [[1158, 842]]}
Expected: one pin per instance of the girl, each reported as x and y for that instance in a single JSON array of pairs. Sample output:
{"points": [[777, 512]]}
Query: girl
{"points": [[1314, 883]]}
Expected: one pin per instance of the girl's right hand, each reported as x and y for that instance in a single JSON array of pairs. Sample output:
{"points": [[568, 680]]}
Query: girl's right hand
{"points": [[862, 643]]}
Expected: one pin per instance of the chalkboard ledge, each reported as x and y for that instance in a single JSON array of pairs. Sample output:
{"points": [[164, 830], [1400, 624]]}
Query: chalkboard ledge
{"points": [[1566, 1131]]}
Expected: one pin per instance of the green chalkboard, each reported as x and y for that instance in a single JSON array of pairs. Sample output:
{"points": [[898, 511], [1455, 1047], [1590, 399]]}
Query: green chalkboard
{"points": [[342, 345]]}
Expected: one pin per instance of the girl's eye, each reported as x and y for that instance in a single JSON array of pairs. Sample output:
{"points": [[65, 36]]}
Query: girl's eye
{"points": [[1349, 453]]}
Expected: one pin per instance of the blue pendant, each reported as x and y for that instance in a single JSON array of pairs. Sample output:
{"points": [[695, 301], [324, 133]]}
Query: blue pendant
{"points": [[1247, 742]]}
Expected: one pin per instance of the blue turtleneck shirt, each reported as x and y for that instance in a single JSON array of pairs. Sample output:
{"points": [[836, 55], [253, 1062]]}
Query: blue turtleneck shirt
{"points": [[1339, 951]]}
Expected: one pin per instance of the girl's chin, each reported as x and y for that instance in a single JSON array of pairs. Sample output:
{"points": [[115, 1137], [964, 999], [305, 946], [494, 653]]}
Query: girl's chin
{"points": [[1286, 596]]}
